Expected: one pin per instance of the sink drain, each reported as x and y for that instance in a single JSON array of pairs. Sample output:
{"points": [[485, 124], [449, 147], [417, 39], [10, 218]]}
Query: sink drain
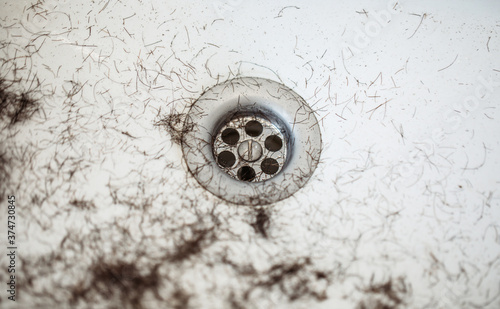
{"points": [[251, 141]]}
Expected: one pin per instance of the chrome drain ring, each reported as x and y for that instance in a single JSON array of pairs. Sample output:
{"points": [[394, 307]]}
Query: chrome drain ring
{"points": [[251, 141]]}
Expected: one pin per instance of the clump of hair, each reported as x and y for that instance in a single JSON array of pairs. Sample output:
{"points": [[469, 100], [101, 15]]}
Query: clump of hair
{"points": [[261, 223], [16, 107], [391, 294], [179, 299], [118, 282], [176, 125], [294, 279], [193, 244]]}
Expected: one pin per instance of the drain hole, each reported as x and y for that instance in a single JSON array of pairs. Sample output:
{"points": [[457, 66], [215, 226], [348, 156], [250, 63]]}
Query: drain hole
{"points": [[253, 128], [269, 166], [273, 143], [230, 136], [246, 173], [226, 159]]}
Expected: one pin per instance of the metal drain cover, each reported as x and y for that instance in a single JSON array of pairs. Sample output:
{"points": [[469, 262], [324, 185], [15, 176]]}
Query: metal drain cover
{"points": [[250, 148], [251, 141]]}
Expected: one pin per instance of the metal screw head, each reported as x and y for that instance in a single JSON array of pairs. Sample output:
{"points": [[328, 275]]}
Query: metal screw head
{"points": [[250, 150]]}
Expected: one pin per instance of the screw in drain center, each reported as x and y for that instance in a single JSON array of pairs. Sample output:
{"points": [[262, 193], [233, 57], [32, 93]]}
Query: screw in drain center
{"points": [[250, 150]]}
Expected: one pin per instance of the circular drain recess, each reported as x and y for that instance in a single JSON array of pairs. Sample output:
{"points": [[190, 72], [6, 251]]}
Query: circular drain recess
{"points": [[251, 141]]}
